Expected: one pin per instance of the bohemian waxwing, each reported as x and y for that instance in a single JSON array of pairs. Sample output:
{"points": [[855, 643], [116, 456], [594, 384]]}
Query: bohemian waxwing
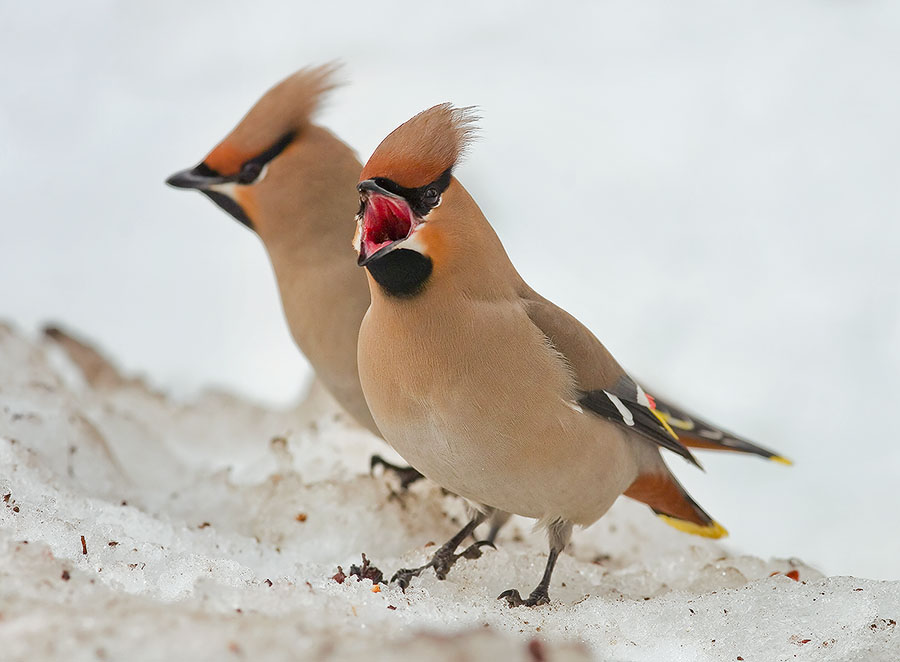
{"points": [[483, 385], [292, 182]]}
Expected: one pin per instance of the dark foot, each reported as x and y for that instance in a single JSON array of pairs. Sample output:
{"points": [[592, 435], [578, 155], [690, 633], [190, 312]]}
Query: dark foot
{"points": [[538, 597], [559, 532], [442, 561], [407, 475]]}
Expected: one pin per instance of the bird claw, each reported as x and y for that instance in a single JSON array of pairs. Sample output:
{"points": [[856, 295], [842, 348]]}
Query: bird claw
{"points": [[514, 599], [404, 576], [473, 551], [406, 475], [442, 561]]}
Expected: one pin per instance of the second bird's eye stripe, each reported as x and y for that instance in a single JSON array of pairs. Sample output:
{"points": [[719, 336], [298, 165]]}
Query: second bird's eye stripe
{"points": [[275, 149], [253, 170], [626, 414], [203, 170]]}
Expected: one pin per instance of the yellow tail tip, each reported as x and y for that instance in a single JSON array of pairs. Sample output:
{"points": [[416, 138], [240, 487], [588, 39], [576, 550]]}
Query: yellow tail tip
{"points": [[781, 460], [714, 530]]}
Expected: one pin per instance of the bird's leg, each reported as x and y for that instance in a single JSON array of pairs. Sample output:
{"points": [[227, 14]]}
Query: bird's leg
{"points": [[540, 595], [407, 475], [497, 520], [445, 557], [559, 533]]}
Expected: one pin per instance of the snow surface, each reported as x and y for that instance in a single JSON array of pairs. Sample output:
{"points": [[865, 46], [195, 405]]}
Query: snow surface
{"points": [[136, 526]]}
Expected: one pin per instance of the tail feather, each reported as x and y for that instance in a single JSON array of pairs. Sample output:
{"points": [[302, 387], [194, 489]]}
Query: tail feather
{"points": [[668, 499], [694, 432]]}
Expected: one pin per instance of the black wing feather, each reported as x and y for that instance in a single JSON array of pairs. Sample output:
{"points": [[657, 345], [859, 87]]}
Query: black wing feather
{"points": [[643, 421]]}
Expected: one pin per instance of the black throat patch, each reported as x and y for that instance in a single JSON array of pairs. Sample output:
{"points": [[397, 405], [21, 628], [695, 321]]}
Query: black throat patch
{"points": [[230, 206], [401, 273]]}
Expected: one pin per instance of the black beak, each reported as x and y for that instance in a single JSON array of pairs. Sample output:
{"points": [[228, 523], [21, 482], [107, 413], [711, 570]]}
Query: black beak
{"points": [[200, 177], [369, 186], [363, 260]]}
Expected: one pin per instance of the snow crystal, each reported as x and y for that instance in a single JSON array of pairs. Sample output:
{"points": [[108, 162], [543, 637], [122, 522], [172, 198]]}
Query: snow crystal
{"points": [[134, 526]]}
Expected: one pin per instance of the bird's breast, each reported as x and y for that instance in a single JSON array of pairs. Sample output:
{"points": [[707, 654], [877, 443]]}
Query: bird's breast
{"points": [[476, 400]]}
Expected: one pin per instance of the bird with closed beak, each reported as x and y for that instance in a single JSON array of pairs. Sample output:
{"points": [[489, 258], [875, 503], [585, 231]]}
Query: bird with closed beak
{"points": [[292, 183], [485, 386]]}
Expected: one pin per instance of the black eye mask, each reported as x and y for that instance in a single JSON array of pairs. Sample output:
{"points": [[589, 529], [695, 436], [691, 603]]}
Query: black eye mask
{"points": [[252, 168], [423, 199]]}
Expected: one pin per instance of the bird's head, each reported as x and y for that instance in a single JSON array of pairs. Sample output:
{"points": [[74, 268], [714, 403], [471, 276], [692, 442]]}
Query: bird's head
{"points": [[257, 172], [406, 189]]}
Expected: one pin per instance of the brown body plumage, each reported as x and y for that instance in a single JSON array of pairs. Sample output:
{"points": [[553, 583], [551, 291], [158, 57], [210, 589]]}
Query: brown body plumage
{"points": [[292, 182], [479, 382]]}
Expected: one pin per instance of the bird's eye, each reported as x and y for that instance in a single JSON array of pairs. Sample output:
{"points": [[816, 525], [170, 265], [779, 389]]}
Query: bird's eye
{"points": [[431, 196], [249, 172]]}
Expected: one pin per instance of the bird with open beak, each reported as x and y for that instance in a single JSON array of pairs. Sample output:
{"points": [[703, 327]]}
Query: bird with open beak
{"points": [[486, 387]]}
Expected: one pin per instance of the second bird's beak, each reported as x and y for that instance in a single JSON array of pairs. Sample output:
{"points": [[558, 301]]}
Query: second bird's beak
{"points": [[199, 177], [385, 222], [204, 179]]}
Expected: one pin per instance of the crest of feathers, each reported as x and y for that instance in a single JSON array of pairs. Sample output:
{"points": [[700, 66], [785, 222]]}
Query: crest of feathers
{"points": [[285, 110], [297, 98], [421, 149]]}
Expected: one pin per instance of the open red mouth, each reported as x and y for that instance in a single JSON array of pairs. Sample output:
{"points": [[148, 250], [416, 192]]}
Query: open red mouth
{"points": [[386, 220]]}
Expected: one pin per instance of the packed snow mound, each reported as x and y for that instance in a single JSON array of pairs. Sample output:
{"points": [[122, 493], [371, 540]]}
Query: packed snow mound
{"points": [[137, 527]]}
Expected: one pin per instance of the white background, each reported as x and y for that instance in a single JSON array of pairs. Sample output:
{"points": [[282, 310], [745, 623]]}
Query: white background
{"points": [[711, 187]]}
